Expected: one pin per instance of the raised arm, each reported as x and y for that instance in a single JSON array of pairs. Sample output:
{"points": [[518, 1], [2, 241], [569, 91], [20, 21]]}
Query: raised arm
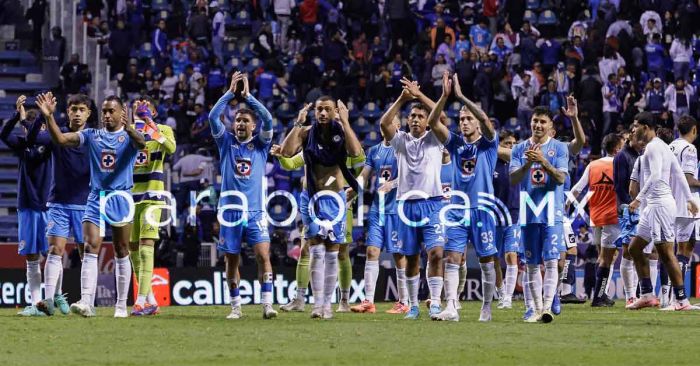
{"points": [[352, 144], [295, 138], [558, 171], [386, 123], [263, 114], [162, 134], [293, 163], [484, 121], [582, 183], [218, 128], [439, 129], [136, 138], [47, 104], [504, 153], [579, 136], [519, 167]]}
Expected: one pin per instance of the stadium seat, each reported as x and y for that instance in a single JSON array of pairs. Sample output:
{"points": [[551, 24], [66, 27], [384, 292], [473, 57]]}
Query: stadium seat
{"points": [[453, 110], [530, 16], [146, 51], [372, 138], [8, 188], [546, 4], [9, 219], [532, 4], [231, 50], [242, 20], [547, 18], [319, 63], [277, 126], [12, 161], [247, 52], [371, 111], [158, 5], [352, 110], [253, 65], [233, 64], [361, 126], [163, 14], [285, 112]]}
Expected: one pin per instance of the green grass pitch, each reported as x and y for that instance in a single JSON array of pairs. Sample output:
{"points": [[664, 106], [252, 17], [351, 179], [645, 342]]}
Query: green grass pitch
{"points": [[202, 336]]}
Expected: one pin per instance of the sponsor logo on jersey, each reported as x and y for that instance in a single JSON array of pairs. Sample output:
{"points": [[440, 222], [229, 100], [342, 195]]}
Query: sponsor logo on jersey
{"points": [[108, 160]]}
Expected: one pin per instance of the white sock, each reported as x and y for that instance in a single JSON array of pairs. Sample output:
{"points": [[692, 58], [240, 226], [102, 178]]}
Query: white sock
{"points": [[654, 272], [331, 277], [151, 299], [607, 284], [533, 271], [34, 280], [413, 283], [88, 279], [527, 295], [317, 262], [510, 279], [52, 272], [59, 283], [141, 299], [488, 282], [626, 270], [435, 286], [123, 276], [301, 295], [267, 288], [401, 284], [551, 278], [451, 284], [462, 279], [371, 274]]}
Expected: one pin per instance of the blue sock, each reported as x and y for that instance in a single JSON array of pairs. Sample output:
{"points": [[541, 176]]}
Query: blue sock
{"points": [[234, 292], [646, 286], [679, 291], [663, 274]]}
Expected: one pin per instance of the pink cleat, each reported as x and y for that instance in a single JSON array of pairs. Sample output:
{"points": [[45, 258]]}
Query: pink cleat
{"points": [[646, 301]]}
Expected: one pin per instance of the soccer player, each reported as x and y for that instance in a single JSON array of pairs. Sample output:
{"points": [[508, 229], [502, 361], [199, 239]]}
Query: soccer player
{"points": [[539, 166], [603, 213], [382, 223], [658, 167], [419, 195], [35, 176], [241, 206], [326, 144], [67, 200], [687, 156], [473, 156], [112, 152], [149, 184]]}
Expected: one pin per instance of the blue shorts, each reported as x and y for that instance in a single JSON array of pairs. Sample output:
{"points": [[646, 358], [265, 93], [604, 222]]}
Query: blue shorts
{"points": [[383, 236], [541, 242], [628, 227], [116, 208], [32, 232], [422, 225], [480, 230], [253, 231], [508, 239], [64, 221], [325, 208]]}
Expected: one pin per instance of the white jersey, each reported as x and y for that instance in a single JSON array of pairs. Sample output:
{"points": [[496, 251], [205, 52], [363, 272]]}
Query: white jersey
{"points": [[658, 167], [687, 157], [419, 161], [637, 178]]}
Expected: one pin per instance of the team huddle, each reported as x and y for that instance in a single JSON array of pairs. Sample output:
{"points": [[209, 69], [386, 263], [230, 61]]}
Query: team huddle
{"points": [[435, 192]]}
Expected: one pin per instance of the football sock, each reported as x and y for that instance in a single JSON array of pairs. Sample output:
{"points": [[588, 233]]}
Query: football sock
{"points": [[601, 281], [527, 295], [234, 296], [645, 283], [371, 274], [488, 281], [413, 284], [679, 292], [135, 256], [331, 277], [52, 271], [609, 281], [146, 273], [665, 283], [402, 286], [318, 267], [535, 276], [122, 274], [151, 299], [568, 273], [266, 288], [551, 279], [462, 279], [88, 279], [303, 271], [435, 285], [627, 273], [511, 279], [34, 280], [451, 284], [683, 264], [344, 277], [654, 272]]}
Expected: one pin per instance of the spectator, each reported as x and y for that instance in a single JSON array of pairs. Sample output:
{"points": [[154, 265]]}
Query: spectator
{"points": [[199, 28], [610, 63], [160, 41], [360, 49], [612, 104], [54, 55], [655, 57], [218, 31], [303, 75], [462, 44], [37, 14], [524, 93], [168, 81], [75, 75], [441, 66], [549, 53], [283, 12], [446, 50], [308, 13], [502, 47], [479, 36], [681, 53], [120, 43], [550, 98], [483, 87], [677, 98], [654, 96], [334, 52], [132, 83], [264, 45], [651, 24], [399, 69], [438, 33], [216, 80]]}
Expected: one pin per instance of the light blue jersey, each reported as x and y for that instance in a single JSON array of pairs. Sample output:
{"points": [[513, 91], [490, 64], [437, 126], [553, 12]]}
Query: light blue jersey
{"points": [[473, 166], [112, 159], [537, 183], [382, 160]]}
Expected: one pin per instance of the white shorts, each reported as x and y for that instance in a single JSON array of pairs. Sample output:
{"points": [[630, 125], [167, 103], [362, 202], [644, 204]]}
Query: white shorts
{"points": [[684, 228], [648, 249], [657, 223], [606, 235]]}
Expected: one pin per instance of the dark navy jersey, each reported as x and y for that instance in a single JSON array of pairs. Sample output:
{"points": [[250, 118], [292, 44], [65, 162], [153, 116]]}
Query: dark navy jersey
{"points": [[508, 194], [71, 171]]}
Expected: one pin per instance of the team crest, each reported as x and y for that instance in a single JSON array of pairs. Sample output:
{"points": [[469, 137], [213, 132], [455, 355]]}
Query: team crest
{"points": [[142, 158], [121, 138], [336, 138], [468, 166], [550, 153], [250, 146], [385, 173], [537, 176], [108, 160], [243, 168]]}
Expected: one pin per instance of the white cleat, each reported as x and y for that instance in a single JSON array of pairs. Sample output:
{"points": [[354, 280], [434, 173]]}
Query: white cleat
{"points": [[120, 312], [317, 312], [84, 310], [505, 303], [533, 317], [485, 315], [458, 305], [327, 312], [343, 307], [447, 315], [296, 305], [235, 313], [269, 312]]}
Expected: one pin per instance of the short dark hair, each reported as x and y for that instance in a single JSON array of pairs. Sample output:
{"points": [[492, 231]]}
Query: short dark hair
{"points": [[686, 124], [504, 134], [421, 107], [645, 118], [610, 142], [611, 76], [79, 99], [543, 111], [147, 99], [247, 111], [665, 134], [114, 98], [325, 98]]}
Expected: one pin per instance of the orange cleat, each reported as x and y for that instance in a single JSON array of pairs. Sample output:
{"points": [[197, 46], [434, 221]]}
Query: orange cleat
{"points": [[364, 307], [398, 308]]}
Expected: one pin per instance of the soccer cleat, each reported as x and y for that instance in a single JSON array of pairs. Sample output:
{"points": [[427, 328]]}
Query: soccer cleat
{"points": [[546, 316], [485, 314], [458, 305], [434, 311], [505, 303], [398, 308], [327, 312], [84, 310], [62, 303], [529, 312], [646, 301], [30, 310], [556, 305], [364, 307], [448, 315], [683, 305], [531, 316], [137, 310], [571, 298], [630, 301], [317, 312], [295, 305], [120, 312], [46, 306], [665, 297], [413, 313], [269, 312], [235, 313], [343, 307], [151, 309], [602, 302]]}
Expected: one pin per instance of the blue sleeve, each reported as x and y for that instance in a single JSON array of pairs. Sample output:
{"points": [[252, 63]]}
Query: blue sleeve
{"points": [[561, 161], [265, 117], [85, 136], [369, 159], [516, 158], [218, 128], [453, 142]]}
